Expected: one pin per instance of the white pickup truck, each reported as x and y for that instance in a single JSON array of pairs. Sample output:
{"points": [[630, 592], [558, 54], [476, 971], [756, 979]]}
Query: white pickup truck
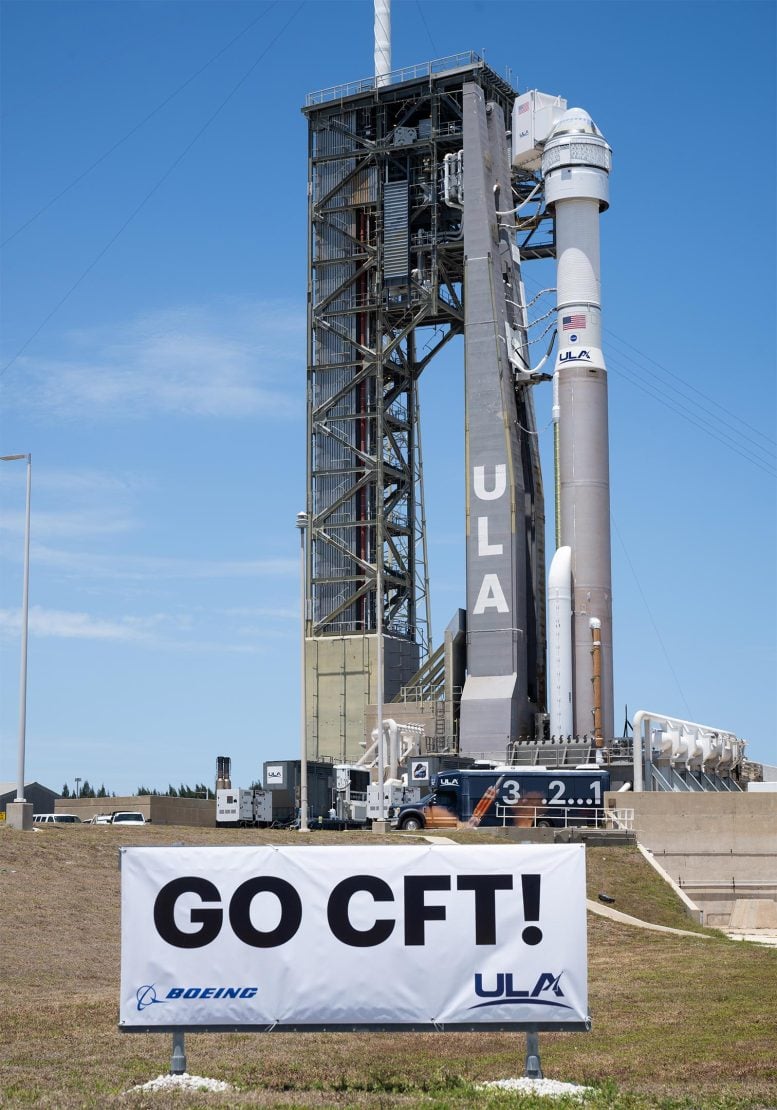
{"points": [[128, 817]]}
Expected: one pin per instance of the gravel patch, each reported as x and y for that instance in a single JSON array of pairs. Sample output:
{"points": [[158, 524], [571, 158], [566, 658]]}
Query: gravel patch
{"points": [[551, 1088], [184, 1082]]}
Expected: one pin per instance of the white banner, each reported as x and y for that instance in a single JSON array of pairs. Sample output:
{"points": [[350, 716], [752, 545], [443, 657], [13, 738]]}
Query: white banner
{"points": [[342, 936]]}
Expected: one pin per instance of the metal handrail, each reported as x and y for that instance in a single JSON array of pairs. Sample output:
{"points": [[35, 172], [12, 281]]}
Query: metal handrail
{"points": [[396, 77], [522, 810], [621, 818]]}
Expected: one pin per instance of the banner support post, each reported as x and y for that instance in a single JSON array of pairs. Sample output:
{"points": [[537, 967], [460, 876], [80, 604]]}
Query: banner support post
{"points": [[178, 1061], [533, 1067]]}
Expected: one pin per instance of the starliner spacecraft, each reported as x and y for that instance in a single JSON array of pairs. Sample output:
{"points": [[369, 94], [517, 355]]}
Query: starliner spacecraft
{"points": [[429, 190]]}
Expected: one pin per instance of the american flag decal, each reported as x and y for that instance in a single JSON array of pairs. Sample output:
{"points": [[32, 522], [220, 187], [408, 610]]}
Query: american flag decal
{"points": [[523, 108], [570, 322]]}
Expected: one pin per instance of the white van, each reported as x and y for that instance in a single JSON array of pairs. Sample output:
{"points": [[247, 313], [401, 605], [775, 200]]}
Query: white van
{"points": [[56, 819]]}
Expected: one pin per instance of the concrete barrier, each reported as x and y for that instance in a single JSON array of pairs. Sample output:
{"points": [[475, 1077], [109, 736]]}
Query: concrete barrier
{"points": [[718, 848], [161, 809]]}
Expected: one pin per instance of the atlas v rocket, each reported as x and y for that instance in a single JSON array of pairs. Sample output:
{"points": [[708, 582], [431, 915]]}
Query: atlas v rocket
{"points": [[575, 170], [503, 514]]}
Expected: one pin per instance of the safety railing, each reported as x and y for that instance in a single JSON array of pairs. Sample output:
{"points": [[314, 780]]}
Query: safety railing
{"points": [[523, 815], [621, 819], [396, 77]]}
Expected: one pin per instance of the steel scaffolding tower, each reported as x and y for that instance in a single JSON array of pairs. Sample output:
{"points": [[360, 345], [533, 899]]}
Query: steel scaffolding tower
{"points": [[386, 261]]}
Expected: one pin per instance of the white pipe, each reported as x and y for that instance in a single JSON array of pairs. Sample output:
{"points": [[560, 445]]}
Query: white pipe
{"points": [[393, 746], [636, 728], [560, 642], [382, 42], [532, 194], [681, 728]]}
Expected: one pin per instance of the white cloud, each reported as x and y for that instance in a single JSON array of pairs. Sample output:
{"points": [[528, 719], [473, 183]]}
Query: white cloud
{"points": [[77, 524], [161, 631], [143, 567], [287, 613], [231, 362], [60, 624], [77, 504]]}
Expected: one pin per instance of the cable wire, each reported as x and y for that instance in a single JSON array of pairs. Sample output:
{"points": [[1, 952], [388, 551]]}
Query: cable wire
{"points": [[659, 637], [714, 426], [691, 416], [688, 385], [176, 162], [426, 26], [135, 128]]}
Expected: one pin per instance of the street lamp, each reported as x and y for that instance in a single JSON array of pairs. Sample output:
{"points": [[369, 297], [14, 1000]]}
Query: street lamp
{"points": [[21, 818], [78, 784], [302, 523]]}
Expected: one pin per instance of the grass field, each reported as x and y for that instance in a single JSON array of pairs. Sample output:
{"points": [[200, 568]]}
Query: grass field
{"points": [[677, 1021]]}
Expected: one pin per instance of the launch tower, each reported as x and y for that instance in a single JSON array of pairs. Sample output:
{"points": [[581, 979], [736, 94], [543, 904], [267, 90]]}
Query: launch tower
{"points": [[397, 267]]}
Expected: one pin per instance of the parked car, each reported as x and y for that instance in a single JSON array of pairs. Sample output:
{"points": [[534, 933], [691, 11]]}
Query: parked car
{"points": [[128, 817], [56, 819], [101, 819]]}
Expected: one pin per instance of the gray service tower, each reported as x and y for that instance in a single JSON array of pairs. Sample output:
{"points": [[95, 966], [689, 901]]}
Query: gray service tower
{"points": [[418, 229]]}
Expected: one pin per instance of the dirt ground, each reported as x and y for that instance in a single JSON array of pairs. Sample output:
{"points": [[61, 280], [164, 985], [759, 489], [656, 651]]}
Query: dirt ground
{"points": [[676, 1020]]}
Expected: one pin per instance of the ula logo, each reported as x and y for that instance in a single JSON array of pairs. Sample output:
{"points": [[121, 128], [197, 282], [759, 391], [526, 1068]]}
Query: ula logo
{"points": [[502, 992], [575, 356]]}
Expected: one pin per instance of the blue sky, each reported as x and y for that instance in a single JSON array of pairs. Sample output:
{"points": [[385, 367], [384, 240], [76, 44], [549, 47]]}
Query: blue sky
{"points": [[154, 220]]}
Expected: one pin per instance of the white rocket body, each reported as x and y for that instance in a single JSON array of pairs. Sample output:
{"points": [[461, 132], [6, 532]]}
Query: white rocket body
{"points": [[575, 166], [560, 643]]}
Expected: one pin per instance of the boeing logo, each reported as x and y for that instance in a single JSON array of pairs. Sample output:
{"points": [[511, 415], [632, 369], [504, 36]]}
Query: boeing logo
{"points": [[504, 993], [147, 996]]}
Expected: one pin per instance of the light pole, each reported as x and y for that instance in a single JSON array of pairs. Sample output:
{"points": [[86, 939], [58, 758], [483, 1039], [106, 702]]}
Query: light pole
{"points": [[21, 813], [78, 784], [379, 682], [302, 523]]}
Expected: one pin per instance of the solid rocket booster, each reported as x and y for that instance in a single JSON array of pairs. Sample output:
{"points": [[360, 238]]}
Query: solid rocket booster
{"points": [[575, 166]]}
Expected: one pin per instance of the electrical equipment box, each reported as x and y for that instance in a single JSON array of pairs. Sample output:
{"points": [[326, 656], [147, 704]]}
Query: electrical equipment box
{"points": [[534, 116], [394, 796], [243, 807]]}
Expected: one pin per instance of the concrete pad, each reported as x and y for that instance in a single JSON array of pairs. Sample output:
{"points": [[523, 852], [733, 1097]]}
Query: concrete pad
{"points": [[750, 914], [18, 815]]}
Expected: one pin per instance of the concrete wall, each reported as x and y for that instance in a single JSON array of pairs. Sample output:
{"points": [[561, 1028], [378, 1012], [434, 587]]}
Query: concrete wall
{"points": [[159, 809], [719, 848], [341, 677]]}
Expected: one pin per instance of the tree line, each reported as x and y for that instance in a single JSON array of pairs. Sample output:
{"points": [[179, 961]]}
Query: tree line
{"points": [[199, 790], [86, 790]]}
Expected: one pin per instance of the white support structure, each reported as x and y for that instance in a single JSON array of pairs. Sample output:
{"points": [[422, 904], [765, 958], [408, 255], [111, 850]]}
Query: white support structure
{"points": [[400, 742], [686, 745], [382, 41]]}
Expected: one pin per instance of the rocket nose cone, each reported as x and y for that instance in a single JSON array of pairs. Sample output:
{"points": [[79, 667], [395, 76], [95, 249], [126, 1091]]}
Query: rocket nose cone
{"points": [[575, 121]]}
